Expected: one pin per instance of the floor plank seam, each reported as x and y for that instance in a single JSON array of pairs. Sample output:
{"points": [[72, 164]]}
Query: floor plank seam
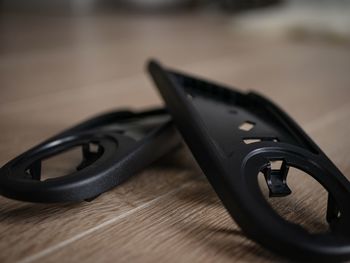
{"points": [[66, 242]]}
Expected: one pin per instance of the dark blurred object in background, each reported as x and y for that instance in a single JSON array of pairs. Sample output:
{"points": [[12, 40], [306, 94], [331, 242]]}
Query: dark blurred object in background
{"points": [[233, 5], [82, 6], [226, 5]]}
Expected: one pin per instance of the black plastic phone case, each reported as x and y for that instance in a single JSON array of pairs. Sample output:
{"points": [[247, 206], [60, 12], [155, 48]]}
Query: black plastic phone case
{"points": [[114, 147], [215, 121]]}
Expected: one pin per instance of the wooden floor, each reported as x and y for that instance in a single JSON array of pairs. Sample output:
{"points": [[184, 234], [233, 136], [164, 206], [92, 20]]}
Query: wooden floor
{"points": [[57, 71]]}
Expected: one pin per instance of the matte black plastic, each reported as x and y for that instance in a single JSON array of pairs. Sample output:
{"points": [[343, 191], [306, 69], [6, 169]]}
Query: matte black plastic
{"points": [[233, 137], [124, 143]]}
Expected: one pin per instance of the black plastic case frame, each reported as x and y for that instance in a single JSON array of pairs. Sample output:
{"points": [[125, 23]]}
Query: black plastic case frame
{"points": [[114, 147], [215, 122]]}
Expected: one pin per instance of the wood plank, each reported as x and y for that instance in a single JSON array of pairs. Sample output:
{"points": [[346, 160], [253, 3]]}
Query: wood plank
{"points": [[84, 51]]}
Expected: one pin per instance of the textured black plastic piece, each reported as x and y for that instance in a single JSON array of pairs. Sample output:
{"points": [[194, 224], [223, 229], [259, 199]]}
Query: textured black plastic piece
{"points": [[124, 141], [217, 124]]}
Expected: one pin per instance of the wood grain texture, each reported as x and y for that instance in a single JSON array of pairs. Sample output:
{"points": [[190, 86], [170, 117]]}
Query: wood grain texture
{"points": [[58, 71]]}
